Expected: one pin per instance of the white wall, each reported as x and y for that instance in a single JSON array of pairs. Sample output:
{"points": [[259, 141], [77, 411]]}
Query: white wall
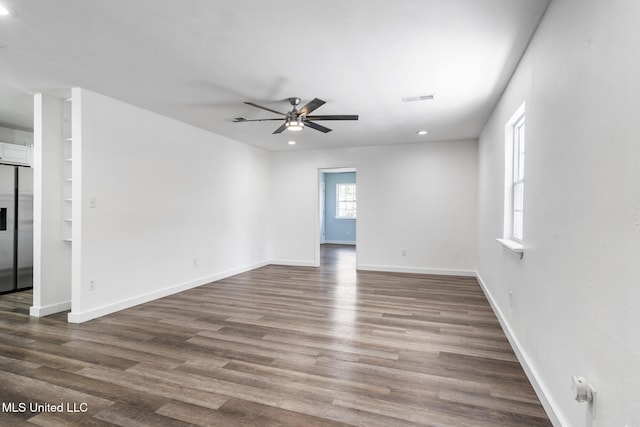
{"points": [[14, 136], [415, 197], [574, 309], [175, 206], [52, 256]]}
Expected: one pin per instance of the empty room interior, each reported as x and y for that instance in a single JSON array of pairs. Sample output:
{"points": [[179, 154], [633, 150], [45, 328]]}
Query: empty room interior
{"points": [[275, 213]]}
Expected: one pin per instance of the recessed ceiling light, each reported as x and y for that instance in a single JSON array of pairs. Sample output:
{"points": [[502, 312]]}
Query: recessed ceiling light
{"points": [[292, 143], [4, 11], [422, 132]]}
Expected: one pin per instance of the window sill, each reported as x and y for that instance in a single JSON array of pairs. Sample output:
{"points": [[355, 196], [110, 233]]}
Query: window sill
{"points": [[514, 247]]}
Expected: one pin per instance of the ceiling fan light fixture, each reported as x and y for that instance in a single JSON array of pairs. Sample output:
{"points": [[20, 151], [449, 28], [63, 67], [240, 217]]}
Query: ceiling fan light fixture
{"points": [[295, 125]]}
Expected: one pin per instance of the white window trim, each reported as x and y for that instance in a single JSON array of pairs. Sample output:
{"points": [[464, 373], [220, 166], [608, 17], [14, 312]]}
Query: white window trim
{"points": [[352, 218], [514, 247], [516, 181], [508, 240]]}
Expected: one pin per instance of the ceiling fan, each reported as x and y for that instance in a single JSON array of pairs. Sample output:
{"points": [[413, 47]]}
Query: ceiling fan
{"points": [[296, 120]]}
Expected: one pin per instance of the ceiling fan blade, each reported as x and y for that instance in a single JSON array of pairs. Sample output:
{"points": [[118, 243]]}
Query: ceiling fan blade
{"points": [[316, 126], [264, 108], [312, 105], [334, 117], [281, 128], [242, 119]]}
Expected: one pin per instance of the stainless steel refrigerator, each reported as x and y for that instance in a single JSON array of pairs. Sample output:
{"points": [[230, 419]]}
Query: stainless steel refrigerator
{"points": [[16, 228]]}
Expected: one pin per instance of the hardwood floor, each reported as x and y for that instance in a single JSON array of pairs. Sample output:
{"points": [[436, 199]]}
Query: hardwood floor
{"points": [[276, 346]]}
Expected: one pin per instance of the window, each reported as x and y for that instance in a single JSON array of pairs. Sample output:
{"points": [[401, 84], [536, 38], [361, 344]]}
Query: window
{"points": [[517, 184], [514, 180], [346, 201]]}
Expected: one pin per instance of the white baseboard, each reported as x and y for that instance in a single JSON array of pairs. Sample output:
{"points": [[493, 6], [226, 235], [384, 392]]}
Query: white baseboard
{"points": [[340, 242], [549, 405], [75, 317], [49, 309], [416, 270], [293, 263]]}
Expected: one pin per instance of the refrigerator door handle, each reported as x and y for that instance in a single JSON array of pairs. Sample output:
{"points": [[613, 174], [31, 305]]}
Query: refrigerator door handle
{"points": [[3, 219]]}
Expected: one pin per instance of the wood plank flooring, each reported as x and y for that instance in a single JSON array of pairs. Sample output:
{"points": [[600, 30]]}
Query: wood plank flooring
{"points": [[277, 346]]}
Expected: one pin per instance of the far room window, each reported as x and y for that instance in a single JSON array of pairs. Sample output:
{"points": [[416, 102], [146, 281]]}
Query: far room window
{"points": [[346, 201], [518, 179], [514, 176]]}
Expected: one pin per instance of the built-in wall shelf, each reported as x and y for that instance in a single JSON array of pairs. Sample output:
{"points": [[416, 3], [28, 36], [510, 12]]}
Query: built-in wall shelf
{"points": [[67, 159]]}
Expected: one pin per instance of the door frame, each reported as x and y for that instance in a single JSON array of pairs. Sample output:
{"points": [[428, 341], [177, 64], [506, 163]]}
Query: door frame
{"points": [[322, 208], [318, 239]]}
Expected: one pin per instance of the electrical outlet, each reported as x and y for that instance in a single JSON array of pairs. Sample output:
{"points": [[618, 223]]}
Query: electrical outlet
{"points": [[583, 391], [404, 252], [92, 285], [195, 262]]}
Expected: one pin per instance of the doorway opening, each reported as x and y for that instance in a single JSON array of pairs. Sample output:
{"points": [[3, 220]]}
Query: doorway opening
{"points": [[337, 216], [16, 228], [16, 191]]}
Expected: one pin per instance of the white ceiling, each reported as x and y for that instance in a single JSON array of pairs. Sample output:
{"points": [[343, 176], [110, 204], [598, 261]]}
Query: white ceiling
{"points": [[199, 60]]}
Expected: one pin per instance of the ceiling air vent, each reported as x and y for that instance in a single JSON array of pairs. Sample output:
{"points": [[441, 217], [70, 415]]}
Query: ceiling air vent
{"points": [[417, 98]]}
